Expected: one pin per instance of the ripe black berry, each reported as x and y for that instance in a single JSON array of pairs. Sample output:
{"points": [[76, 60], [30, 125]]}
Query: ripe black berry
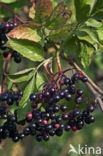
{"points": [[56, 108], [59, 132], [91, 108], [67, 81], [80, 92], [67, 127], [68, 97], [46, 137], [33, 97], [15, 139], [84, 79], [76, 113], [39, 137], [78, 99], [63, 108]]}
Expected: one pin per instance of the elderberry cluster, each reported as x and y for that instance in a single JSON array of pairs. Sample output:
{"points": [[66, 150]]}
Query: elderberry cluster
{"points": [[4, 29], [47, 117], [11, 97]]}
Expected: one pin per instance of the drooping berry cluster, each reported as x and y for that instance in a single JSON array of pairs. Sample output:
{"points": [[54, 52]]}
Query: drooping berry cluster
{"points": [[4, 29], [14, 54], [48, 117], [10, 97]]}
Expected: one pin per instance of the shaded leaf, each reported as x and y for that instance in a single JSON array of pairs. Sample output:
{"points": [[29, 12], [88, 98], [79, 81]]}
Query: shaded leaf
{"points": [[86, 54], [16, 6], [29, 49], [82, 10], [98, 15], [72, 48], [98, 6], [60, 15], [99, 58], [43, 9], [61, 33]]}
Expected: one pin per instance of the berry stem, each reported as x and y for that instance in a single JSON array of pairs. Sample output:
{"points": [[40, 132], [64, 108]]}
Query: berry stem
{"points": [[2, 86], [58, 62], [68, 70], [12, 12], [16, 86], [48, 68], [78, 69], [6, 62], [96, 95], [5, 71]]}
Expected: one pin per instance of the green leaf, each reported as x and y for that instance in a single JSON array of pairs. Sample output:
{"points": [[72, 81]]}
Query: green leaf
{"points": [[72, 48], [22, 112], [100, 34], [21, 76], [84, 36], [28, 90], [98, 14], [91, 4], [60, 15], [92, 33], [26, 31], [24, 105], [99, 58], [61, 33], [29, 49], [98, 6], [8, 1], [89, 35], [93, 23], [43, 10], [41, 79], [86, 54], [82, 10], [82, 51]]}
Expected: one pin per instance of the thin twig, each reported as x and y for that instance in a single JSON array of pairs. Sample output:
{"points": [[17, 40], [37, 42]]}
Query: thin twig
{"points": [[89, 80], [12, 12], [95, 90], [95, 94]]}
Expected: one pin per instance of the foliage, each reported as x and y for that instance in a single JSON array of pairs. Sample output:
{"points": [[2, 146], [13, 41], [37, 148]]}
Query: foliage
{"points": [[80, 38]]}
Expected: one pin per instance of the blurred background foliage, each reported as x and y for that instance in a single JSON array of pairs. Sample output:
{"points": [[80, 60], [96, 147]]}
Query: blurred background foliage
{"points": [[90, 135]]}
